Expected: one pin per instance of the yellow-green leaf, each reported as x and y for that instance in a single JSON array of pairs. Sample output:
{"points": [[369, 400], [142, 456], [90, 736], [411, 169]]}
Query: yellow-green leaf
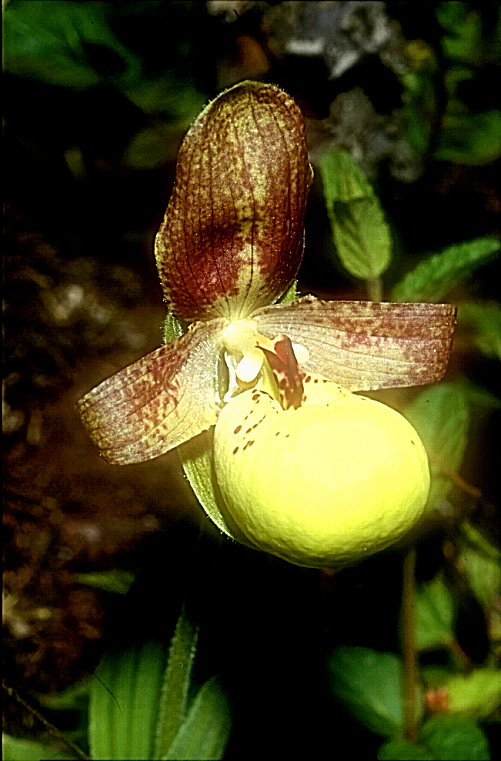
{"points": [[360, 232], [434, 277], [434, 615], [440, 414]]}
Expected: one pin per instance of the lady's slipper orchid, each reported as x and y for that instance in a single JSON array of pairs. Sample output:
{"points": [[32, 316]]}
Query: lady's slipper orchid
{"points": [[227, 253]]}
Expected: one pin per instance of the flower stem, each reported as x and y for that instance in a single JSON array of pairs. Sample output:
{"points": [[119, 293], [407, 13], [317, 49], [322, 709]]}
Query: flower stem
{"points": [[408, 645]]}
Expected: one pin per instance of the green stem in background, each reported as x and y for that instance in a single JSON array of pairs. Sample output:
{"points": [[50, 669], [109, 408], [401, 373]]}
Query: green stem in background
{"points": [[455, 477], [375, 289], [408, 645], [172, 708]]}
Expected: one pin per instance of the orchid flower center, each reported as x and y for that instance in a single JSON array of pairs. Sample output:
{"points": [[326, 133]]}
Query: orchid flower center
{"points": [[245, 351]]}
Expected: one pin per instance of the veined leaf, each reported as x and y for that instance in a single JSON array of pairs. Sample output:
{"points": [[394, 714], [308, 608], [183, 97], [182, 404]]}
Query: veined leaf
{"points": [[440, 415], [480, 562], [369, 685], [484, 322], [343, 179], [433, 278], [455, 738], [434, 615], [361, 235], [474, 695]]}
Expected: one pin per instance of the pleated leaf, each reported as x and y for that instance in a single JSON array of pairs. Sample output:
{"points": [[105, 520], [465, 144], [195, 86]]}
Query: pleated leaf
{"points": [[124, 703]]}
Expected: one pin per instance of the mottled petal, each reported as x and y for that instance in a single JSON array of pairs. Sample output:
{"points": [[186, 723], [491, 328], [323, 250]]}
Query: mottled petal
{"points": [[284, 366], [365, 345], [160, 401], [232, 237]]}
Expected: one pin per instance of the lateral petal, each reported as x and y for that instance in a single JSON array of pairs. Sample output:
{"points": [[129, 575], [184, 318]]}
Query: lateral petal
{"points": [[364, 345], [160, 401]]}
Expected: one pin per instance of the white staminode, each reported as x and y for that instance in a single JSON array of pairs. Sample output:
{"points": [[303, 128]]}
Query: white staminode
{"points": [[244, 356]]}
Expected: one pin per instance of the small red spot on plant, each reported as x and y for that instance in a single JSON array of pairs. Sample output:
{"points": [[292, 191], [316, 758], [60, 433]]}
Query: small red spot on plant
{"points": [[437, 701]]}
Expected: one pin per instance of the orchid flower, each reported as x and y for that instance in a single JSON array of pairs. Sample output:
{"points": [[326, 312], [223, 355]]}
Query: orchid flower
{"points": [[228, 252]]}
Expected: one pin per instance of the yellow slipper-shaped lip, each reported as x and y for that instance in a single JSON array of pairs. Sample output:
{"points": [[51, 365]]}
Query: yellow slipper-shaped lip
{"points": [[328, 483]]}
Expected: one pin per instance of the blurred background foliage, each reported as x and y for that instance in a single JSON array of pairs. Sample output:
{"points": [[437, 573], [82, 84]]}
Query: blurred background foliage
{"points": [[97, 97]]}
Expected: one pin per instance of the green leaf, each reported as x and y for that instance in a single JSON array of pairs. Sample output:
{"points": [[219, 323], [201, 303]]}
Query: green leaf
{"points": [[475, 695], [342, 178], [148, 149], [477, 395], [116, 580], [205, 733], [173, 95], [472, 139], [369, 685], [465, 27], [480, 561], [361, 235], [454, 738], [433, 278], [124, 702], [440, 414], [400, 749], [54, 42], [172, 704], [483, 321], [434, 614], [15, 749]]}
